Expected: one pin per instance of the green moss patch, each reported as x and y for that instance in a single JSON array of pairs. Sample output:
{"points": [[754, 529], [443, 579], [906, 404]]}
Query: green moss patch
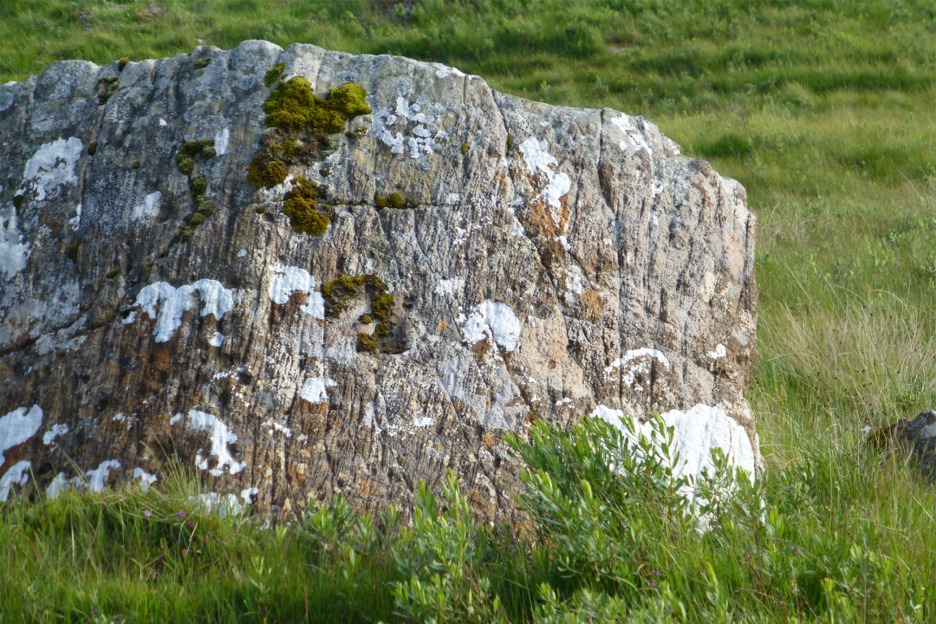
{"points": [[270, 78], [293, 106], [302, 125], [336, 294], [189, 154], [301, 206], [72, 251], [393, 200]]}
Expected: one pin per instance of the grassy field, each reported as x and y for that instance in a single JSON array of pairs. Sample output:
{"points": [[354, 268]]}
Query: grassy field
{"points": [[823, 110]]}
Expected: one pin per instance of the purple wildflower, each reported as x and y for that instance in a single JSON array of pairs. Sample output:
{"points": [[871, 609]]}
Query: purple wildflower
{"points": [[181, 514], [147, 513]]}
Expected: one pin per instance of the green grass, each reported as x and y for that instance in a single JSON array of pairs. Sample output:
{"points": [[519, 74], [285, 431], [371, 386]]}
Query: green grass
{"points": [[600, 545], [822, 109]]}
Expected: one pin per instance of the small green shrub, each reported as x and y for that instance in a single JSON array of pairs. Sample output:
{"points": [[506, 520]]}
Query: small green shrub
{"points": [[202, 63], [122, 63], [72, 251], [92, 148], [112, 274]]}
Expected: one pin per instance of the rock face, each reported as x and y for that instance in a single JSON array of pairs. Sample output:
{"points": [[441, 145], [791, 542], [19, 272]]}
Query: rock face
{"points": [[911, 438], [471, 262]]}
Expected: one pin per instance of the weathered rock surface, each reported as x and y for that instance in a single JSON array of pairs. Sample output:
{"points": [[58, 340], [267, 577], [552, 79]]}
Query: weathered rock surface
{"points": [[911, 438], [558, 261]]}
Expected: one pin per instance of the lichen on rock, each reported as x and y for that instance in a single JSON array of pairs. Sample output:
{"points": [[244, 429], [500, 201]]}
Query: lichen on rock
{"points": [[568, 259]]}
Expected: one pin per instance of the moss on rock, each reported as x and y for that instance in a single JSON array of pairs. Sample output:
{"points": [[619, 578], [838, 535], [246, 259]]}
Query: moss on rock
{"points": [[301, 126], [338, 291], [270, 78], [301, 206]]}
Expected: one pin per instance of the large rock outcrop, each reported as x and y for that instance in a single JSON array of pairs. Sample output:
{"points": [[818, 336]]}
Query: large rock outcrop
{"points": [[465, 262]]}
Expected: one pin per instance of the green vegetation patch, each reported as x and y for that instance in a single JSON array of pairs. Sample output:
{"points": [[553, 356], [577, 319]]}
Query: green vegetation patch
{"points": [[189, 154], [293, 106], [301, 206], [392, 200], [301, 125], [606, 536], [72, 251], [338, 291], [270, 78]]}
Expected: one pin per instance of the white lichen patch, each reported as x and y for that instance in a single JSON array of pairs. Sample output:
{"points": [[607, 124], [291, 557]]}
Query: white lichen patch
{"points": [[18, 474], [249, 495], [17, 427], [54, 431], [444, 71], [718, 353], [166, 304], [221, 140], [216, 340], [94, 479], [423, 421], [219, 436], [51, 167], [148, 208], [416, 139], [495, 320], [704, 428], [75, 221], [449, 287], [14, 251], [223, 505], [696, 433], [313, 390], [634, 135], [540, 161], [146, 479], [58, 485], [288, 280], [636, 362]]}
